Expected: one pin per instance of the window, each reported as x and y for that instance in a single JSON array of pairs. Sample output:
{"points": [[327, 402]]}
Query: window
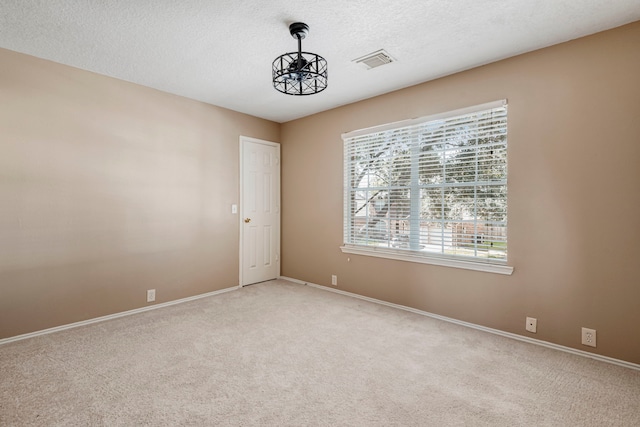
{"points": [[430, 190]]}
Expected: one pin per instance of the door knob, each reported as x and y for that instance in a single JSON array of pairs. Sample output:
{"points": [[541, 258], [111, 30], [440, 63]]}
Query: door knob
{"points": [[247, 220]]}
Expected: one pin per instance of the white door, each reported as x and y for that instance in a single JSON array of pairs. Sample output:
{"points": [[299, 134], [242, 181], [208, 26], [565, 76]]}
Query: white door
{"points": [[260, 209]]}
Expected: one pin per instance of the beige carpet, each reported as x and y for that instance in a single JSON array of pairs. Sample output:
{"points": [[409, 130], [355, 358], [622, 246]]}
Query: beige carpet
{"points": [[283, 354]]}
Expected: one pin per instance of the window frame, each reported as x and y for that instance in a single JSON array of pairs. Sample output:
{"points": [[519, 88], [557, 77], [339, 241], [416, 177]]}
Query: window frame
{"points": [[448, 260]]}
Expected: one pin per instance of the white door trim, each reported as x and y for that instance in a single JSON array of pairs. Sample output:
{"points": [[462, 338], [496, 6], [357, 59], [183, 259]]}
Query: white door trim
{"points": [[241, 212]]}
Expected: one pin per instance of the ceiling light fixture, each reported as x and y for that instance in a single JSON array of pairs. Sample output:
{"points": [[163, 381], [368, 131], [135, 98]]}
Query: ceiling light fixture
{"points": [[299, 73]]}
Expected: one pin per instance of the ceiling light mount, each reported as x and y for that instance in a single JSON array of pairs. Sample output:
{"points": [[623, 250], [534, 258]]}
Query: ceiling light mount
{"points": [[299, 30], [299, 73]]}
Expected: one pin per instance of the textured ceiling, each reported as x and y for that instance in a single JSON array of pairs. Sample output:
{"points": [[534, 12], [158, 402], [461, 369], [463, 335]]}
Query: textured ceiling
{"points": [[220, 51]]}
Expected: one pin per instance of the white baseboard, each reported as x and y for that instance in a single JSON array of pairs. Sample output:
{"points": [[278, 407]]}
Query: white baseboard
{"points": [[113, 316], [606, 359]]}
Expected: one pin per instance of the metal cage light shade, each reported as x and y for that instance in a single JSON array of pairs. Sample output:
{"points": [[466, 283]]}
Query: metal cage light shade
{"points": [[299, 73]]}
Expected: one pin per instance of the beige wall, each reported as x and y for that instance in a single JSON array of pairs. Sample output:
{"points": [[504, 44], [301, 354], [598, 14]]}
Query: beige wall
{"points": [[574, 197], [108, 189]]}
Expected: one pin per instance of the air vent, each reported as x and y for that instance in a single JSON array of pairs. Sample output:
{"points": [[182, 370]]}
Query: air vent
{"points": [[375, 59]]}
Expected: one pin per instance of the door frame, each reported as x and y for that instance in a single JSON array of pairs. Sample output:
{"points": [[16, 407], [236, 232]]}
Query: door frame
{"points": [[242, 141]]}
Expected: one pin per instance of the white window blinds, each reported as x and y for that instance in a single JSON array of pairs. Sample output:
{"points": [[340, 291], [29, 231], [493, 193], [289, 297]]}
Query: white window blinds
{"points": [[435, 186]]}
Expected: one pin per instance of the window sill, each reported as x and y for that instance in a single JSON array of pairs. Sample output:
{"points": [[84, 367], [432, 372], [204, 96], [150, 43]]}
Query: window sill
{"points": [[444, 262]]}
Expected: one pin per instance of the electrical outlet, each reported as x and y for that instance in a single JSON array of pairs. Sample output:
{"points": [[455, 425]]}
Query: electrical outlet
{"points": [[151, 295], [532, 324], [334, 280], [589, 337]]}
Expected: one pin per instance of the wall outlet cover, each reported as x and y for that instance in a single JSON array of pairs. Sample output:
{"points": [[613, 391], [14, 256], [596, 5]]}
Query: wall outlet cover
{"points": [[532, 324], [589, 337]]}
